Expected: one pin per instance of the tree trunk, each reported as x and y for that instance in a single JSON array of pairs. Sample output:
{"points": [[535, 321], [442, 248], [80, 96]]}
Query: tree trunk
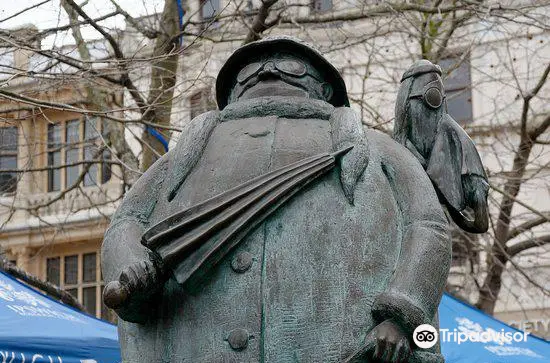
{"points": [[498, 256], [163, 79]]}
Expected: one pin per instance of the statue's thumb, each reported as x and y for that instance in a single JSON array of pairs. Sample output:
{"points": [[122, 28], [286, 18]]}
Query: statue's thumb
{"points": [[352, 166]]}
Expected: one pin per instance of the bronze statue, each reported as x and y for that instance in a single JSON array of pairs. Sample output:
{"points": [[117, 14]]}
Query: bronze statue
{"points": [[278, 229], [449, 156]]}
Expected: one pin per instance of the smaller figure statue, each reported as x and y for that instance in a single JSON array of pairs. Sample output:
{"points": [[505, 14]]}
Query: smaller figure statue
{"points": [[446, 152]]}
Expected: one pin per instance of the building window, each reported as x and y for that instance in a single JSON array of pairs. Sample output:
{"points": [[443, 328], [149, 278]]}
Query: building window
{"points": [[200, 102], [92, 145], [458, 88], [72, 151], [79, 275], [8, 159], [209, 9], [53, 271], [54, 157], [319, 6], [69, 143]]}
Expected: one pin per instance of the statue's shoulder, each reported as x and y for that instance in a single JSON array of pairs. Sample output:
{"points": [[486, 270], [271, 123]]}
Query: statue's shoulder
{"points": [[385, 143], [202, 124], [191, 143], [391, 152]]}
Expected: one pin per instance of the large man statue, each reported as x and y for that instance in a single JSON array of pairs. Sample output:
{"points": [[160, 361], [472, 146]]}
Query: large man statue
{"points": [[344, 270]]}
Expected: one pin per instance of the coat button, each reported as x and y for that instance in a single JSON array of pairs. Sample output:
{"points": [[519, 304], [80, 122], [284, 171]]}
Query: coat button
{"points": [[238, 339], [241, 262]]}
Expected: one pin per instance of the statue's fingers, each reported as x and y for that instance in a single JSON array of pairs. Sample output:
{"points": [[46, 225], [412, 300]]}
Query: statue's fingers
{"points": [[380, 348], [370, 341], [401, 352], [150, 275], [130, 278], [115, 295], [368, 348], [127, 277], [388, 352], [138, 271], [155, 276]]}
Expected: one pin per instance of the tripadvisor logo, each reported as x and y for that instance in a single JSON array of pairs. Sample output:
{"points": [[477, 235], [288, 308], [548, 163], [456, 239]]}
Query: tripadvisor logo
{"points": [[425, 336]]}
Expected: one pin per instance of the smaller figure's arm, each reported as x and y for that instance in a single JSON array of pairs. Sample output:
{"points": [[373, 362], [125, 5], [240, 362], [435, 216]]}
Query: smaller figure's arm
{"points": [[476, 189], [417, 284], [474, 218], [416, 153], [444, 166]]}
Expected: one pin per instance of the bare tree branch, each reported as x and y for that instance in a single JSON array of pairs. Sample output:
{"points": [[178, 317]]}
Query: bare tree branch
{"points": [[259, 23], [527, 226], [529, 243], [24, 10]]}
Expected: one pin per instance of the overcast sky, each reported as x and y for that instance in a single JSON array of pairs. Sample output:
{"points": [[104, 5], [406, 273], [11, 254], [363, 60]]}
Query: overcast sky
{"points": [[50, 15]]}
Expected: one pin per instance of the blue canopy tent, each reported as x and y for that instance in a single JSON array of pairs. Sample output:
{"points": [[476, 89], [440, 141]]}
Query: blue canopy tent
{"points": [[499, 343], [37, 329]]}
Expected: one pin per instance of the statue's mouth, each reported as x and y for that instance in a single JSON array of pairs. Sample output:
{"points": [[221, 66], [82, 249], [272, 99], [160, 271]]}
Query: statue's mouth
{"points": [[272, 87]]}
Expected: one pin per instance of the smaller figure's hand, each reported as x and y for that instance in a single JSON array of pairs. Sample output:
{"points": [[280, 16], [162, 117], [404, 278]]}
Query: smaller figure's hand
{"points": [[386, 343], [135, 285]]}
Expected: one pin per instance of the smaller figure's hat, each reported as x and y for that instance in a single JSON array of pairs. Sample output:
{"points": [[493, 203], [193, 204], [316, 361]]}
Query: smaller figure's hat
{"points": [[227, 75], [420, 67]]}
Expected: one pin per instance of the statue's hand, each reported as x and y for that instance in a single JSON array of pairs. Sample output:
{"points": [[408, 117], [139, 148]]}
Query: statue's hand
{"points": [[134, 288], [386, 343], [390, 343]]}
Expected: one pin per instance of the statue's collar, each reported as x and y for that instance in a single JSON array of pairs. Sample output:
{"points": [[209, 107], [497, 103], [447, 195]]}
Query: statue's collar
{"points": [[287, 107]]}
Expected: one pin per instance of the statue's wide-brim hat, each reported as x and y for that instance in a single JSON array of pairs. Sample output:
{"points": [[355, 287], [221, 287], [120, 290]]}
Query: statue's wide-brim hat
{"points": [[228, 73]]}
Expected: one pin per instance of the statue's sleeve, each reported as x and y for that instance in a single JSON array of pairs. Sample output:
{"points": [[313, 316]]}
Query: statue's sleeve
{"points": [[122, 241], [415, 288], [445, 164]]}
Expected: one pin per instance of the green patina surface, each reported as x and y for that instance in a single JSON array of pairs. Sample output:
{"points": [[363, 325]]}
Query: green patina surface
{"points": [[363, 244]]}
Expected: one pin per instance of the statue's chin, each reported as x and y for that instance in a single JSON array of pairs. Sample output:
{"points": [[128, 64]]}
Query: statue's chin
{"points": [[273, 88]]}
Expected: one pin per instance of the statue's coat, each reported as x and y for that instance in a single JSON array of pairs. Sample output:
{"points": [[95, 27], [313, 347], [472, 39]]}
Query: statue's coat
{"points": [[326, 267]]}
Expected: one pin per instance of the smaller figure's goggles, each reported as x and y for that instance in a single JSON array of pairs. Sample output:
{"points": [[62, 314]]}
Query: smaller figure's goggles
{"points": [[431, 94], [290, 67]]}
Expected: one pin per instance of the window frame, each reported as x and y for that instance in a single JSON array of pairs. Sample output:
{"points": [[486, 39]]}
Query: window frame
{"points": [[52, 148], [199, 102], [315, 6], [458, 59], [63, 147], [202, 3], [100, 310], [11, 154]]}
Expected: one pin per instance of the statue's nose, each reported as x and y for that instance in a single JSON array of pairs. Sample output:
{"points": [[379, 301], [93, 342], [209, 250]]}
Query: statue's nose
{"points": [[269, 71]]}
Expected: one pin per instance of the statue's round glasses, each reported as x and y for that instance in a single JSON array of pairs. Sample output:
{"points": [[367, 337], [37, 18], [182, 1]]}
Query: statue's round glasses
{"points": [[289, 67], [431, 94]]}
